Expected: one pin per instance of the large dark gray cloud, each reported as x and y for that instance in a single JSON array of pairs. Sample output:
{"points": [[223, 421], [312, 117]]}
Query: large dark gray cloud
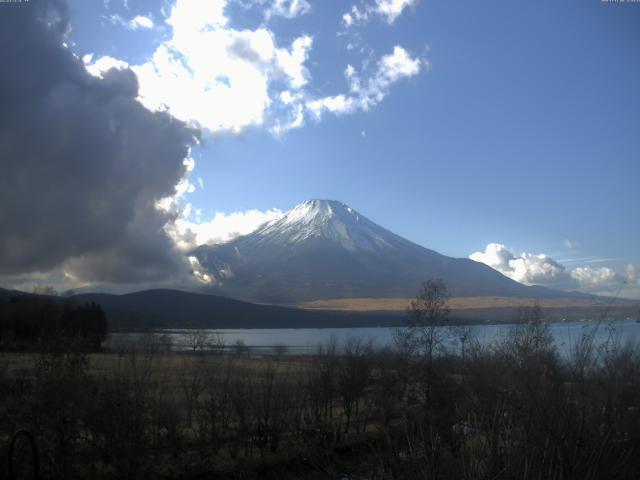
{"points": [[81, 161]]}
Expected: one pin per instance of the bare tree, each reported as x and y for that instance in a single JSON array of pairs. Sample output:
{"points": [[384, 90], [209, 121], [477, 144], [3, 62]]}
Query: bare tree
{"points": [[216, 342], [428, 311], [191, 381], [196, 339], [422, 339], [430, 307], [241, 348], [353, 378], [45, 290], [216, 408], [280, 349], [530, 336]]}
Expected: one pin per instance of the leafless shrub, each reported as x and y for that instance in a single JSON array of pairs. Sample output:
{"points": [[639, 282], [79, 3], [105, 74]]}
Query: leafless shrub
{"points": [[216, 343], [240, 348], [354, 377], [196, 339]]}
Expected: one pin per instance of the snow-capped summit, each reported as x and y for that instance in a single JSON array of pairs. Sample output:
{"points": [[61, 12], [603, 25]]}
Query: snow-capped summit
{"points": [[329, 220], [324, 249]]}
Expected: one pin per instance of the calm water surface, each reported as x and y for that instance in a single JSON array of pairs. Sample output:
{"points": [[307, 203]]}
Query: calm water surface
{"points": [[307, 340]]}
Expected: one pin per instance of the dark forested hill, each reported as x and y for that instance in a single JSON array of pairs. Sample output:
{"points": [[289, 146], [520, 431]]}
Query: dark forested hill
{"points": [[177, 309]]}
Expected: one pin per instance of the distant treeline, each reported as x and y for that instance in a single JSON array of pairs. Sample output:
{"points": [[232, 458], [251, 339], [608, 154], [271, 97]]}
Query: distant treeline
{"points": [[32, 320]]}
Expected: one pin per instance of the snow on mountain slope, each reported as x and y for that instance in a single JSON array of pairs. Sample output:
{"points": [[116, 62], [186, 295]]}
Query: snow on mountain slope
{"points": [[329, 220], [323, 249]]}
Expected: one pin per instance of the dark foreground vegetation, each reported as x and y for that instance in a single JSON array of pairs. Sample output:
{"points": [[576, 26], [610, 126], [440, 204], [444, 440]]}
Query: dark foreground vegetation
{"points": [[40, 321], [418, 411]]}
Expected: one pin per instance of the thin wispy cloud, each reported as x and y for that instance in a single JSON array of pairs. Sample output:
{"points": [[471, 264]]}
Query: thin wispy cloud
{"points": [[570, 244], [139, 22], [587, 260]]}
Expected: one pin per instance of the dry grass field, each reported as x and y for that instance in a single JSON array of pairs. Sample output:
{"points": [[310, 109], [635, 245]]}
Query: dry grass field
{"points": [[455, 303]]}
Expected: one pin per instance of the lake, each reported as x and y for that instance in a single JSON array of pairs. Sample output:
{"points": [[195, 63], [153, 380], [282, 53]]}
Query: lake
{"points": [[307, 340]]}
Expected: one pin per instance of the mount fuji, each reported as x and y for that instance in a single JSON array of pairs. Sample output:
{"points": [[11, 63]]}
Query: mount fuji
{"points": [[324, 249]]}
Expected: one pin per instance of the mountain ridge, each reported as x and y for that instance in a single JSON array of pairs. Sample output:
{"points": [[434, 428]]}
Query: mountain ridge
{"points": [[324, 249], [168, 308]]}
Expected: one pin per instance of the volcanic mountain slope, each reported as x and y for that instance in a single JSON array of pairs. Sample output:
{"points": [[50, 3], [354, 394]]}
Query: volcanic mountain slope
{"points": [[324, 249]]}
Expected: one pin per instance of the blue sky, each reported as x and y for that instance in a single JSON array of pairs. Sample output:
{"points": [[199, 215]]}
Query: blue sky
{"points": [[459, 125]]}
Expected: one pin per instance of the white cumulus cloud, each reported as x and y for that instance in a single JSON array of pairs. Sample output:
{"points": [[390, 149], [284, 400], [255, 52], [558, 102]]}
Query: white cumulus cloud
{"points": [[364, 95], [103, 64], [604, 278], [537, 269], [335, 104], [225, 79], [496, 255], [222, 227], [591, 278], [526, 268], [389, 10], [215, 76], [288, 8], [392, 9], [356, 15], [141, 21], [540, 269], [222, 79], [396, 65]]}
